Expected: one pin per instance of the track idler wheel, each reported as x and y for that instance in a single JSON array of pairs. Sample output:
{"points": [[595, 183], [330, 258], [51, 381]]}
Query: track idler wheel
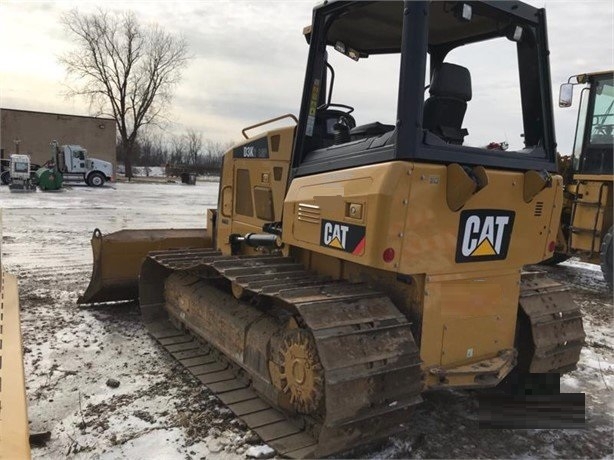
{"points": [[298, 370]]}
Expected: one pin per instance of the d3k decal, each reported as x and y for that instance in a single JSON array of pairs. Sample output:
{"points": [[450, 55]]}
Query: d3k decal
{"points": [[345, 237], [484, 234], [255, 149]]}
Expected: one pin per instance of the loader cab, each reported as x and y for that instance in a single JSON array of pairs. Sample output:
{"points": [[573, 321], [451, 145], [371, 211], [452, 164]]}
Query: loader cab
{"points": [[415, 81], [587, 213], [593, 145]]}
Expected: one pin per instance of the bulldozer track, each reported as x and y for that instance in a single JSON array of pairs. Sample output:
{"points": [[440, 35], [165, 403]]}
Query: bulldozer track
{"points": [[555, 321], [365, 380], [287, 437]]}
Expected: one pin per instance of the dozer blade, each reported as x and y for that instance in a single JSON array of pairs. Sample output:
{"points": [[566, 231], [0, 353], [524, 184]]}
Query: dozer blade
{"points": [[118, 257], [13, 412]]}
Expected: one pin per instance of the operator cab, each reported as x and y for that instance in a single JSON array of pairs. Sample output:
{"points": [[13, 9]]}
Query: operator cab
{"points": [[594, 141], [368, 58]]}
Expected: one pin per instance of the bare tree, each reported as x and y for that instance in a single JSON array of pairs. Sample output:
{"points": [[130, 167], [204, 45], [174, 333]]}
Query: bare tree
{"points": [[212, 154], [150, 148], [125, 70], [216, 148], [193, 144], [177, 150]]}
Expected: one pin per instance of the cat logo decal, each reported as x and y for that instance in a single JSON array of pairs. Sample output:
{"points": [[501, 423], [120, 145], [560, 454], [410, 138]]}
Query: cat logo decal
{"points": [[343, 236], [484, 234]]}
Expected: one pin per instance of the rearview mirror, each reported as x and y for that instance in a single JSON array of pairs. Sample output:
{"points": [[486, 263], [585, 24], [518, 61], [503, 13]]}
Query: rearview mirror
{"points": [[566, 95]]}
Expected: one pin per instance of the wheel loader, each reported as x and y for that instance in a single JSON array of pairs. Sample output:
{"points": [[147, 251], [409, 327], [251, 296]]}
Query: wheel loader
{"points": [[350, 267], [586, 221]]}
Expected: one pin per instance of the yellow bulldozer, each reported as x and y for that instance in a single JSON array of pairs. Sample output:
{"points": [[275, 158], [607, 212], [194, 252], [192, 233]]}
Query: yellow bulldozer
{"points": [[586, 221], [348, 268]]}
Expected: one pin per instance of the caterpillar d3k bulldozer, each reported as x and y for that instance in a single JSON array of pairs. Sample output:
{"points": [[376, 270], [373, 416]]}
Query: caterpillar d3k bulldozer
{"points": [[350, 267], [586, 225]]}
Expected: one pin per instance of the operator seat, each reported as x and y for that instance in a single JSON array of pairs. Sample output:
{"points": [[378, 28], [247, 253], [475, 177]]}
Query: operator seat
{"points": [[445, 108]]}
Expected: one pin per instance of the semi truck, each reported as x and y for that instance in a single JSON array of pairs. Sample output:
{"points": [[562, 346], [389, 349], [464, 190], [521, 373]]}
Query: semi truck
{"points": [[22, 179], [71, 163]]}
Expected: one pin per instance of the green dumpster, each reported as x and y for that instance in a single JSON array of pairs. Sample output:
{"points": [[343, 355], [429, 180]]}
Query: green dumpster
{"points": [[49, 179]]}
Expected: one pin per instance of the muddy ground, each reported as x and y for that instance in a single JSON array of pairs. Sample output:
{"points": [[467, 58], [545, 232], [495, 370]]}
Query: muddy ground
{"points": [[159, 410]]}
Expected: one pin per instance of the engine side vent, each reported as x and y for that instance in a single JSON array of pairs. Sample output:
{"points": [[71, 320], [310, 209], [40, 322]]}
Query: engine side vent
{"points": [[275, 142], [264, 203], [539, 207], [244, 204], [308, 213]]}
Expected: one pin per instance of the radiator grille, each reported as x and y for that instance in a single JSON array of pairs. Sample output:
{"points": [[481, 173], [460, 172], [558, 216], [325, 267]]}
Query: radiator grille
{"points": [[539, 207], [308, 213]]}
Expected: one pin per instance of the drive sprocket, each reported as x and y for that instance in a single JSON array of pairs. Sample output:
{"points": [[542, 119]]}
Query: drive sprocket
{"points": [[301, 373]]}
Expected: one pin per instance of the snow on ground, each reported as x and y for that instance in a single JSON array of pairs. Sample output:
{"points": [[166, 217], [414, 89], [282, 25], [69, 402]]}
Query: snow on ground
{"points": [[159, 411]]}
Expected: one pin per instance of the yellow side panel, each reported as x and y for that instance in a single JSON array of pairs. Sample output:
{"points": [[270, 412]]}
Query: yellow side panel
{"points": [[367, 200], [14, 434], [433, 233], [468, 317], [402, 206], [253, 188]]}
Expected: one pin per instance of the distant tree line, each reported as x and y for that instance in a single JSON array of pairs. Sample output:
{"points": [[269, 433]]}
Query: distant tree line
{"points": [[189, 151]]}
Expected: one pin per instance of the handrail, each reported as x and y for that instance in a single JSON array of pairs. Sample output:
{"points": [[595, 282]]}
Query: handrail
{"points": [[288, 115], [599, 206], [574, 205]]}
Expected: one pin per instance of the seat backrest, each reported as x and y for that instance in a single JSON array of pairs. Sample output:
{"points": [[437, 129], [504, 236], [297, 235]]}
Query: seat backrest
{"points": [[445, 109]]}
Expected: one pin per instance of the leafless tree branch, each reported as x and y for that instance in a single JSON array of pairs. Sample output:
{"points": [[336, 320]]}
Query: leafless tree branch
{"points": [[123, 69]]}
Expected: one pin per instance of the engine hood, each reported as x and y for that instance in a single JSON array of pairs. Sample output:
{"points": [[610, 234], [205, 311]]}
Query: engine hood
{"points": [[100, 165]]}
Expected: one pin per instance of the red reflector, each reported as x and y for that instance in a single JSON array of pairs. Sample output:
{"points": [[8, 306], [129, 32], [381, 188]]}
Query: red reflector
{"points": [[551, 246], [388, 255]]}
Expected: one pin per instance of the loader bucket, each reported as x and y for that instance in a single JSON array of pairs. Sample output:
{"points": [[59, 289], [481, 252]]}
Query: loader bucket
{"points": [[118, 257]]}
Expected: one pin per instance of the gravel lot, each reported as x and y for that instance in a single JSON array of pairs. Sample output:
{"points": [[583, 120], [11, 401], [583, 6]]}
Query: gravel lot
{"points": [[159, 410]]}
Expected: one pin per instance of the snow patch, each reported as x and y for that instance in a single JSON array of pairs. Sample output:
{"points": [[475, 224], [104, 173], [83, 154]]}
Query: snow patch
{"points": [[262, 451]]}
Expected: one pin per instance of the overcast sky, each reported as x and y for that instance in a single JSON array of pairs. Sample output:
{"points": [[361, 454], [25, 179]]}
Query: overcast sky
{"points": [[249, 63]]}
